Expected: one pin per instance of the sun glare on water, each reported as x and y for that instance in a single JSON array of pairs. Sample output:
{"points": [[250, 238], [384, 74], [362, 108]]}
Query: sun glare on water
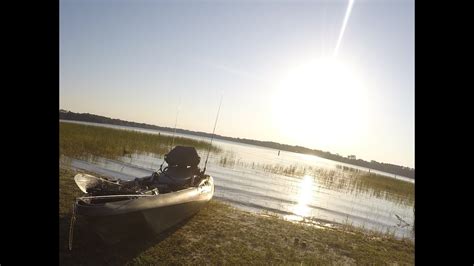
{"points": [[303, 199], [322, 100]]}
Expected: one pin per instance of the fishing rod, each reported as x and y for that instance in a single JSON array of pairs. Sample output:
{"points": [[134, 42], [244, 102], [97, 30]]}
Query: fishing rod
{"points": [[212, 137], [175, 123], [174, 131]]}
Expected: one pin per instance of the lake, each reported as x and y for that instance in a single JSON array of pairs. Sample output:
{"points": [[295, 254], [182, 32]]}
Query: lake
{"points": [[263, 179]]}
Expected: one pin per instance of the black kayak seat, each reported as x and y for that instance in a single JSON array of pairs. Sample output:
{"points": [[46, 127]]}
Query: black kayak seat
{"points": [[182, 156], [182, 167], [178, 176]]}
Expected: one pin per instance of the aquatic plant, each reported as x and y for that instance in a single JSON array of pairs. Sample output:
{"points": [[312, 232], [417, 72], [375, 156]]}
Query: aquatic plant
{"points": [[77, 140]]}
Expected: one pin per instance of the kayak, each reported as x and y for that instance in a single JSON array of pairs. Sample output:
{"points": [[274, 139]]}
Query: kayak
{"points": [[115, 217], [117, 209]]}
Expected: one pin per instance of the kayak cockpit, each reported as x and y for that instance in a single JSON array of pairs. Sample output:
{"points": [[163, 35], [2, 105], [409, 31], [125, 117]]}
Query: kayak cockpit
{"points": [[181, 172]]}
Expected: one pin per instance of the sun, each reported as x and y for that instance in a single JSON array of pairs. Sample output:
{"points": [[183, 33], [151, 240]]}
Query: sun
{"points": [[322, 102]]}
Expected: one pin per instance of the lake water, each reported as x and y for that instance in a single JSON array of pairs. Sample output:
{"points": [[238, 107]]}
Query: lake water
{"points": [[242, 178]]}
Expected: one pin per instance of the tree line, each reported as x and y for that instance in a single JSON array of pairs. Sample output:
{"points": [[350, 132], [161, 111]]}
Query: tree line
{"points": [[385, 167]]}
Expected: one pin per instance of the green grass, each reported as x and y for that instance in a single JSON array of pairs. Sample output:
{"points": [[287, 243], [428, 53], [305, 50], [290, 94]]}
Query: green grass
{"points": [[391, 188], [220, 234], [76, 140], [377, 185]]}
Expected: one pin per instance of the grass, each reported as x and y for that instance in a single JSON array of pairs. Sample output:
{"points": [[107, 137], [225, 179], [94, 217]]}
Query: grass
{"points": [[344, 178], [78, 140], [389, 187], [377, 185], [221, 234]]}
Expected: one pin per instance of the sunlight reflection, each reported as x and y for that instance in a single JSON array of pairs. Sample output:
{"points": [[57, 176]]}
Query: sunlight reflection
{"points": [[304, 197]]}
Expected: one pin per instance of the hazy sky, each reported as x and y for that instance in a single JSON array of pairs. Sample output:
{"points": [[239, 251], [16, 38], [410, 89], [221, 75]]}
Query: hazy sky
{"points": [[273, 62]]}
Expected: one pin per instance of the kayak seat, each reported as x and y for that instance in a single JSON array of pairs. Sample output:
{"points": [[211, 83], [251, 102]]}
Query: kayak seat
{"points": [[181, 172], [178, 177]]}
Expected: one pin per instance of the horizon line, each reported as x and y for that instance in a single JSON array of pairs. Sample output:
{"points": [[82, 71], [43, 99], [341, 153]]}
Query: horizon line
{"points": [[314, 149]]}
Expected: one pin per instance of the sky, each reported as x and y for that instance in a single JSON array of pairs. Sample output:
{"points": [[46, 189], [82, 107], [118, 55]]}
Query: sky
{"points": [[274, 64]]}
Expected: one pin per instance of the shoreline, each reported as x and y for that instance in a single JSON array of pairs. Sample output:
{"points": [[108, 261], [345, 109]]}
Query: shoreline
{"points": [[221, 233]]}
